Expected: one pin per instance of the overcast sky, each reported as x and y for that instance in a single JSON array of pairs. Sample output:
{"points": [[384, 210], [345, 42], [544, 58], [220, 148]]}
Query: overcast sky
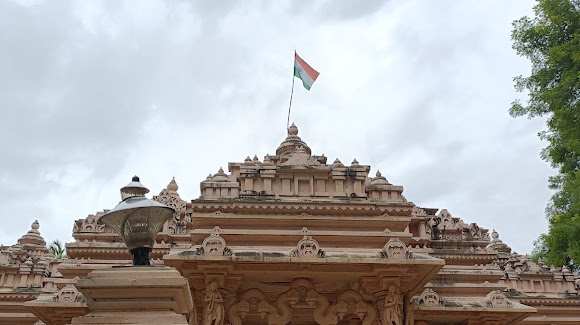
{"points": [[94, 92]]}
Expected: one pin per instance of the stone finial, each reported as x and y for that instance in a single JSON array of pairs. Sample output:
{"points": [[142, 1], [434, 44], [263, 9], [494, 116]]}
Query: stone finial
{"points": [[209, 177], [220, 176], [565, 269], [33, 236], [172, 186], [256, 160], [494, 236], [337, 163], [267, 161], [248, 161], [379, 180], [293, 130], [354, 163], [291, 142]]}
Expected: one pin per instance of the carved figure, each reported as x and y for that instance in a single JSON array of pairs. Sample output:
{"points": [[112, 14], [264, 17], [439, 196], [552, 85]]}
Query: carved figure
{"points": [[213, 313], [392, 311]]}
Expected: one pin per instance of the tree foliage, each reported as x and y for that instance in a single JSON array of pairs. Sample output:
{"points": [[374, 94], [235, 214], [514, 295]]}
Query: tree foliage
{"points": [[551, 41], [57, 249]]}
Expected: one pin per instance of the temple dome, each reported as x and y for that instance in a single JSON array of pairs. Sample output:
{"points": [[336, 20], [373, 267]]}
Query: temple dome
{"points": [[292, 142], [33, 236], [379, 180], [172, 186], [220, 176]]}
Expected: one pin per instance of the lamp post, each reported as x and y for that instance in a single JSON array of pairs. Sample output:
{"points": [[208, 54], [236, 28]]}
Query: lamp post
{"points": [[137, 220]]}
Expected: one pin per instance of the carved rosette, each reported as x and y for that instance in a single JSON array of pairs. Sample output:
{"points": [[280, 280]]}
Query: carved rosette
{"points": [[395, 248], [496, 299], [429, 298], [307, 247]]}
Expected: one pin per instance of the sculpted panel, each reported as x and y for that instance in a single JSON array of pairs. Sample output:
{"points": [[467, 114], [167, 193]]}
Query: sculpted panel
{"points": [[213, 312], [393, 308]]}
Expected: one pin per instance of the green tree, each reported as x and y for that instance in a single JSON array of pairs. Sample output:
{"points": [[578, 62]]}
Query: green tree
{"points": [[57, 249], [551, 41]]}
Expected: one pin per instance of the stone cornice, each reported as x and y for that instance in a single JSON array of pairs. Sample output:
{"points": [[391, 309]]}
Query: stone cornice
{"points": [[394, 208]]}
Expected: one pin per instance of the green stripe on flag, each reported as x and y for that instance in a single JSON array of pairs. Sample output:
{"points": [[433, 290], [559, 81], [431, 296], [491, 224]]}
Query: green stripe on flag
{"points": [[297, 74]]}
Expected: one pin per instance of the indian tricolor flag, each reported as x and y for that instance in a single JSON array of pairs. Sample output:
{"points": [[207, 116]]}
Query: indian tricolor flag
{"points": [[305, 72]]}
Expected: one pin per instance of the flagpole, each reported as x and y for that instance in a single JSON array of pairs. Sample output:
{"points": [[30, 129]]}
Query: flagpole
{"points": [[291, 93]]}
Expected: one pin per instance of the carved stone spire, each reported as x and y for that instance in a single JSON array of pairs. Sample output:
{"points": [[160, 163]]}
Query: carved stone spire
{"points": [[172, 186], [33, 236], [292, 142]]}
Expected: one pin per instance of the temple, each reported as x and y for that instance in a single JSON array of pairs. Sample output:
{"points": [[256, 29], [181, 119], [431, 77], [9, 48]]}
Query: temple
{"points": [[290, 239]]}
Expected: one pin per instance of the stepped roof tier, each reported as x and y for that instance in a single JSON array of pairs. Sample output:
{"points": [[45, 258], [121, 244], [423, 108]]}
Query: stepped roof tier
{"points": [[293, 238]]}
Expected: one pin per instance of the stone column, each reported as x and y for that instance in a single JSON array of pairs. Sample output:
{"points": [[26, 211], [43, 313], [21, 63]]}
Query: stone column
{"points": [[136, 295]]}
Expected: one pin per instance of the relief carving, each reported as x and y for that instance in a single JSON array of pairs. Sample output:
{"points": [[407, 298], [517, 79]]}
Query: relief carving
{"points": [[89, 224], [69, 294], [496, 299], [429, 298], [348, 302], [352, 302], [395, 248], [418, 212], [393, 308], [213, 312], [444, 226], [214, 245], [307, 247]]}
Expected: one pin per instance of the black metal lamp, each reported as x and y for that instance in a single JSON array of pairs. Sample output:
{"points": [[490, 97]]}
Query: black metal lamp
{"points": [[137, 220]]}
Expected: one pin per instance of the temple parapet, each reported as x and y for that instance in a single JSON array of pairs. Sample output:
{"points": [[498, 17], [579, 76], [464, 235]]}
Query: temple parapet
{"points": [[295, 174]]}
